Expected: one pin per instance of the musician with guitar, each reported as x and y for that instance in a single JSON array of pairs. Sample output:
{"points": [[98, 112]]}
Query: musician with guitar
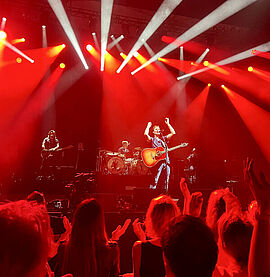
{"points": [[159, 140], [49, 146]]}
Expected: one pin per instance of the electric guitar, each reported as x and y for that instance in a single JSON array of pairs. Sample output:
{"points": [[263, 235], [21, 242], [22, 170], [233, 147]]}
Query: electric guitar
{"points": [[151, 156], [47, 153]]}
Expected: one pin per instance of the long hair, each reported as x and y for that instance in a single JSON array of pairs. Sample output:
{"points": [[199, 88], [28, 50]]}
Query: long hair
{"points": [[160, 211], [88, 241]]}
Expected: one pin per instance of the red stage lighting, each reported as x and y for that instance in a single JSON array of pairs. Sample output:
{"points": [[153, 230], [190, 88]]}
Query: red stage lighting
{"points": [[222, 86], [209, 85], [62, 65], [3, 35], [250, 69], [205, 63], [63, 45], [18, 60]]}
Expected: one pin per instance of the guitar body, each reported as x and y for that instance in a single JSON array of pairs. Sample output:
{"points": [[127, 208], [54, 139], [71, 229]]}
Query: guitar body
{"points": [[151, 156], [48, 153]]}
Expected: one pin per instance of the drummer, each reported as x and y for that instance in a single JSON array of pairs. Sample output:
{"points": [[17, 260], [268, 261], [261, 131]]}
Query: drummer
{"points": [[124, 150]]}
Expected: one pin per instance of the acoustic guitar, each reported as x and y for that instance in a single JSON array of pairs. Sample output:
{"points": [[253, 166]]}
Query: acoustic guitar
{"points": [[151, 156]]}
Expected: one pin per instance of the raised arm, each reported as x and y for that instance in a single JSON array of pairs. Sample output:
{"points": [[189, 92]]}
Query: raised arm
{"points": [[259, 256], [172, 131], [146, 131]]}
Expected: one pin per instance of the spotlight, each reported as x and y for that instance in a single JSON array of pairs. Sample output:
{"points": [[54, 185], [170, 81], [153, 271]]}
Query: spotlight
{"points": [[18, 60], [23, 40], [209, 85], [93, 34], [112, 36], [62, 65], [89, 47], [122, 36], [192, 63], [4, 19], [222, 86], [253, 51], [135, 54], [250, 68], [63, 45], [3, 35], [43, 27], [205, 63]]}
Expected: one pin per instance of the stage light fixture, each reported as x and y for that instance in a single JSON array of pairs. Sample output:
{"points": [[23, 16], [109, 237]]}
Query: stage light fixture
{"points": [[3, 23], [3, 35], [205, 63], [136, 54], [63, 45], [62, 65], [89, 47], [225, 10], [114, 42], [43, 26], [222, 86], [18, 60], [165, 9], [209, 85], [253, 51], [250, 68], [60, 13]]}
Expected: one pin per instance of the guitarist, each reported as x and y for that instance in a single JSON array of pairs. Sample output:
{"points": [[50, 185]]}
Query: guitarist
{"points": [[159, 140], [49, 145]]}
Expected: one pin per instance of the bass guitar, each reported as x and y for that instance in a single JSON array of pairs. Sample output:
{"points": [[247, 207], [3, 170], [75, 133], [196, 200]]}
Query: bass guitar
{"points": [[151, 156], [47, 153]]}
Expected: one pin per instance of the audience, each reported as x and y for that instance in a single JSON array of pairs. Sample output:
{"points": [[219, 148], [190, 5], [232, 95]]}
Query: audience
{"points": [[234, 239], [189, 248], [23, 240], [220, 201], [88, 252], [147, 254], [172, 245]]}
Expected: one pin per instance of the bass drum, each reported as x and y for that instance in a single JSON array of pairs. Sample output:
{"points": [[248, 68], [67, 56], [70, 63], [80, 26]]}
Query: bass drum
{"points": [[141, 168], [116, 165]]}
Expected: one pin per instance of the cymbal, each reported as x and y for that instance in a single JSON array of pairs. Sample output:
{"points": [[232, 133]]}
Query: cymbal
{"points": [[138, 148]]}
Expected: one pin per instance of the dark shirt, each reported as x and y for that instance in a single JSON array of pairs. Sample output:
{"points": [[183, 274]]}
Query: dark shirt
{"points": [[151, 260]]}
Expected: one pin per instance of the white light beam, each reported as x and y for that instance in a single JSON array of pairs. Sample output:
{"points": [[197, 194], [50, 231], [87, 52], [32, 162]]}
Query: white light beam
{"points": [[115, 42], [165, 9], [224, 11], [60, 13], [16, 50], [106, 13], [238, 57]]}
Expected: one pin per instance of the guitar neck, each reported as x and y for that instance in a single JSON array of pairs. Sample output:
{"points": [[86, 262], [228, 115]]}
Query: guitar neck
{"points": [[175, 147]]}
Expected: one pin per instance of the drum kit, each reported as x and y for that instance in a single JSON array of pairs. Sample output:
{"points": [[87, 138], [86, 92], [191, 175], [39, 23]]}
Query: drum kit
{"points": [[114, 163]]}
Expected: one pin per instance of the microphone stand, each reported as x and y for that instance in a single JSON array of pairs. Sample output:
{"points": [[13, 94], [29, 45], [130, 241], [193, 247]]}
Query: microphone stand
{"points": [[166, 162]]}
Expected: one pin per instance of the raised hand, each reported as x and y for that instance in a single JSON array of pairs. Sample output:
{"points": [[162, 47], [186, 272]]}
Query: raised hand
{"points": [[259, 186], [184, 188], [196, 201], [149, 124], [167, 121], [119, 231], [137, 228]]}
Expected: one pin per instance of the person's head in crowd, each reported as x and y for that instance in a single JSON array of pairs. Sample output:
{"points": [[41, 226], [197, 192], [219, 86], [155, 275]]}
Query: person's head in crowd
{"points": [[189, 248], [160, 211], [220, 201], [36, 196], [83, 255], [23, 240], [235, 237]]}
